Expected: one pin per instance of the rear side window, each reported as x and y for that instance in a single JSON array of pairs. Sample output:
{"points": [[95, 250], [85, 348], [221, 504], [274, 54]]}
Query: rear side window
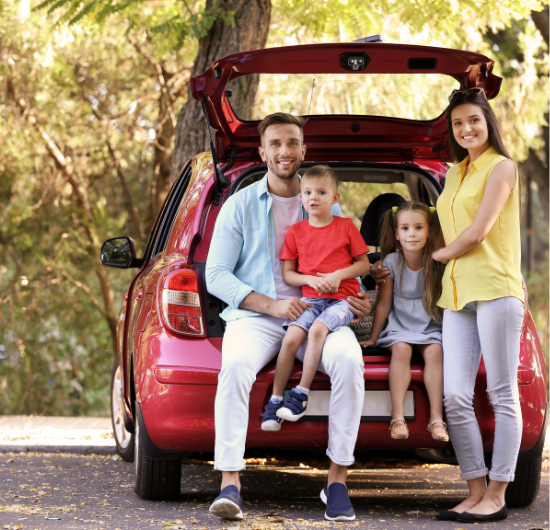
{"points": [[167, 215], [421, 97]]}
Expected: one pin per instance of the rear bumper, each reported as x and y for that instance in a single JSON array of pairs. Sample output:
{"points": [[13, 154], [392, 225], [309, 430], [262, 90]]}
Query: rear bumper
{"points": [[180, 417], [176, 382]]}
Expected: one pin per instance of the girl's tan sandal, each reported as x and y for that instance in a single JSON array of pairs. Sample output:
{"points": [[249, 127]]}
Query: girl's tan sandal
{"points": [[398, 429], [439, 432]]}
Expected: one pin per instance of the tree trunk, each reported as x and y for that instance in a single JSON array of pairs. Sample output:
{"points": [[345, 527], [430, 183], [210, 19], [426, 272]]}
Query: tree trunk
{"points": [[252, 18], [537, 168], [541, 20], [65, 164], [163, 155]]}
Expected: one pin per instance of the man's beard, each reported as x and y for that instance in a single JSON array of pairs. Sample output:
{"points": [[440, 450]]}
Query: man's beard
{"points": [[293, 169]]}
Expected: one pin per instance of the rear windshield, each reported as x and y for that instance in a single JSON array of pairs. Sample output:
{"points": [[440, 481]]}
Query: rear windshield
{"points": [[421, 97]]}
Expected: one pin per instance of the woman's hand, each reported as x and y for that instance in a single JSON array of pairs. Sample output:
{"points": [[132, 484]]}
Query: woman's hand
{"points": [[359, 306], [377, 272], [437, 256], [368, 343]]}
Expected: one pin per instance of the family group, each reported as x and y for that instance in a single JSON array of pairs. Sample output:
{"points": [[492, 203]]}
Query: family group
{"points": [[287, 264]]}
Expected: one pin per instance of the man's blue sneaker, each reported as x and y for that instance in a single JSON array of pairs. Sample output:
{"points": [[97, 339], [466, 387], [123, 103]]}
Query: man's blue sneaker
{"points": [[228, 505], [339, 506], [271, 422], [324, 493], [294, 407]]}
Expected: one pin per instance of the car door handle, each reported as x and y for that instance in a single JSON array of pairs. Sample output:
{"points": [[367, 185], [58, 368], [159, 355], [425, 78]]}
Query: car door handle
{"points": [[138, 295]]}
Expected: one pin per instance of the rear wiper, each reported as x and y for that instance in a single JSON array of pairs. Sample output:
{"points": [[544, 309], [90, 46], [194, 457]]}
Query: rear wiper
{"points": [[372, 38]]}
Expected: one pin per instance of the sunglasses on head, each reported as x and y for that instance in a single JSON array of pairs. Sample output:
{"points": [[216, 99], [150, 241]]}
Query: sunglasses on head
{"points": [[468, 91]]}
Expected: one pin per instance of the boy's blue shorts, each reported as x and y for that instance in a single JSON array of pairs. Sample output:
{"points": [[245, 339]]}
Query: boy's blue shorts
{"points": [[333, 313]]}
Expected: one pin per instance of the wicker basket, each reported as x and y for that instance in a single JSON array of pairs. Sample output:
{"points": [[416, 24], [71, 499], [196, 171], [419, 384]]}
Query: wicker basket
{"points": [[363, 329]]}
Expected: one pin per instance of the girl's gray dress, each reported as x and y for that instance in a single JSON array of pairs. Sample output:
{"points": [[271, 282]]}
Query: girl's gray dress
{"points": [[408, 321]]}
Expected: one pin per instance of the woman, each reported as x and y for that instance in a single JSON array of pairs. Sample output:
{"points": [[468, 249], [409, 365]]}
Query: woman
{"points": [[482, 297]]}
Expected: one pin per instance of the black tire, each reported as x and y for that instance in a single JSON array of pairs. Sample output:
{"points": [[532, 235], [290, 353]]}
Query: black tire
{"points": [[158, 480], [125, 440], [525, 488]]}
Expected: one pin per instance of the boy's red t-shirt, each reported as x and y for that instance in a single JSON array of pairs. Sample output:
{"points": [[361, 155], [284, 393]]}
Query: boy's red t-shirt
{"points": [[325, 249]]}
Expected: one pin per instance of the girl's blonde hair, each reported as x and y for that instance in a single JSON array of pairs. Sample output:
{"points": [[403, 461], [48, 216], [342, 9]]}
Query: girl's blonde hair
{"points": [[433, 271]]}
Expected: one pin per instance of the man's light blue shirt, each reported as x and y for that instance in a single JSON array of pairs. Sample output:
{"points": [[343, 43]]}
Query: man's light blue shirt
{"points": [[242, 256]]}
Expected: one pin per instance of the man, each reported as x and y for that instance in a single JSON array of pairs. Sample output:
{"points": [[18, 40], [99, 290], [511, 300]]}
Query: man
{"points": [[243, 269]]}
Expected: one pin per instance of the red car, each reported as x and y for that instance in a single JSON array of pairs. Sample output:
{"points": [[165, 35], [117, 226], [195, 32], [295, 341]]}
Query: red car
{"points": [[375, 116]]}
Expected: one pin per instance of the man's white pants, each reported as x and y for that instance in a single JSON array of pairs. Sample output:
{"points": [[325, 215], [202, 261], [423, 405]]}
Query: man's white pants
{"points": [[249, 344]]}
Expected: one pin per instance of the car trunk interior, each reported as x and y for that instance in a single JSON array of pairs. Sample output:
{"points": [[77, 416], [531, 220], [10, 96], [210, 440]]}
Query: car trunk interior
{"points": [[360, 184]]}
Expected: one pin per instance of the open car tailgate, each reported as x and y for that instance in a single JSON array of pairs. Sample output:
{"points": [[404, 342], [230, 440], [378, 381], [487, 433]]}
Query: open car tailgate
{"points": [[380, 105]]}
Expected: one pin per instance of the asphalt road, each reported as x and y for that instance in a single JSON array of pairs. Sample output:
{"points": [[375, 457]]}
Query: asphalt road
{"points": [[47, 491]]}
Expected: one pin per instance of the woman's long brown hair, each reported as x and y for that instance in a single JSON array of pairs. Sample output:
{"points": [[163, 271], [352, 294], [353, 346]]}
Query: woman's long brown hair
{"points": [[493, 128], [433, 270], [478, 99]]}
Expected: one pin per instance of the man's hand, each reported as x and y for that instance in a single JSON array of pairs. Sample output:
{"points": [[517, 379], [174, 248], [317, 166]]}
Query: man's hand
{"points": [[360, 306], [321, 285], [333, 279], [377, 272], [436, 256], [290, 308]]}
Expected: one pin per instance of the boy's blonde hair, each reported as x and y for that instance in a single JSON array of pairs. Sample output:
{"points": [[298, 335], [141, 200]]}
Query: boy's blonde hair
{"points": [[322, 171]]}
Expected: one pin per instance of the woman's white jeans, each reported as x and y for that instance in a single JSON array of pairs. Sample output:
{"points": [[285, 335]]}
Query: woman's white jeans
{"points": [[249, 344], [494, 328]]}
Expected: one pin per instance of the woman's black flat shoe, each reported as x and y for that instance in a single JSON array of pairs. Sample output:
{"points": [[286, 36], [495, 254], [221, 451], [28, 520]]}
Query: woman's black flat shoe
{"points": [[466, 517], [447, 515]]}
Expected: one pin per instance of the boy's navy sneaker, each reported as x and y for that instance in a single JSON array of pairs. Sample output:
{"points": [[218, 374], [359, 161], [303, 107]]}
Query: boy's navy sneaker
{"points": [[228, 505], [339, 506], [272, 422], [294, 407]]}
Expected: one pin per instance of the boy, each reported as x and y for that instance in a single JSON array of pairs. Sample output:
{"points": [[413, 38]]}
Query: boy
{"points": [[331, 254]]}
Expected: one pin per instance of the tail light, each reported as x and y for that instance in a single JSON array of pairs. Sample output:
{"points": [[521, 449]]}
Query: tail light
{"points": [[181, 302]]}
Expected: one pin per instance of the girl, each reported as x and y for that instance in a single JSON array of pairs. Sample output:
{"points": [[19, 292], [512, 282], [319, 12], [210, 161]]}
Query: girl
{"points": [[409, 236], [482, 297]]}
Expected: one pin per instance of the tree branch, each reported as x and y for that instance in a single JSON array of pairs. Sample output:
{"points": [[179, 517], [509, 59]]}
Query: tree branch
{"points": [[131, 205], [62, 162], [83, 288], [539, 173], [65, 164], [161, 72]]}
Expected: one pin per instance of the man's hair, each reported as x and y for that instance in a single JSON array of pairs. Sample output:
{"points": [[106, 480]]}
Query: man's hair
{"points": [[280, 118], [322, 171]]}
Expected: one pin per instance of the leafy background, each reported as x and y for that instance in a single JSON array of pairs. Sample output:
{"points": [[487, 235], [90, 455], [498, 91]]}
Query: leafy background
{"points": [[89, 99]]}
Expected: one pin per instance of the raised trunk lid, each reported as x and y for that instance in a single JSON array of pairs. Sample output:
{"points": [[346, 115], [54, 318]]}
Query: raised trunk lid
{"points": [[367, 101]]}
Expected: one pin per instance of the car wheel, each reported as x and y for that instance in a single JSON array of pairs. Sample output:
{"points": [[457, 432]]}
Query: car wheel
{"points": [[158, 480], [525, 488], [124, 439]]}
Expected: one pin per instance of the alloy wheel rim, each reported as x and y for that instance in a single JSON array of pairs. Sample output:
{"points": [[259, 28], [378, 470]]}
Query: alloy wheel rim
{"points": [[123, 437]]}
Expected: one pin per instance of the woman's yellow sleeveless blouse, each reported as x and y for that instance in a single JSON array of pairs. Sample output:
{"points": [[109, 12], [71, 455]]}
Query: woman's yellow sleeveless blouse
{"points": [[492, 269]]}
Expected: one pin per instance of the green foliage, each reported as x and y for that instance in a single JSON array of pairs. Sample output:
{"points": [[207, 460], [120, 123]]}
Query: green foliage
{"points": [[178, 29], [171, 26], [58, 344], [451, 22], [87, 82]]}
